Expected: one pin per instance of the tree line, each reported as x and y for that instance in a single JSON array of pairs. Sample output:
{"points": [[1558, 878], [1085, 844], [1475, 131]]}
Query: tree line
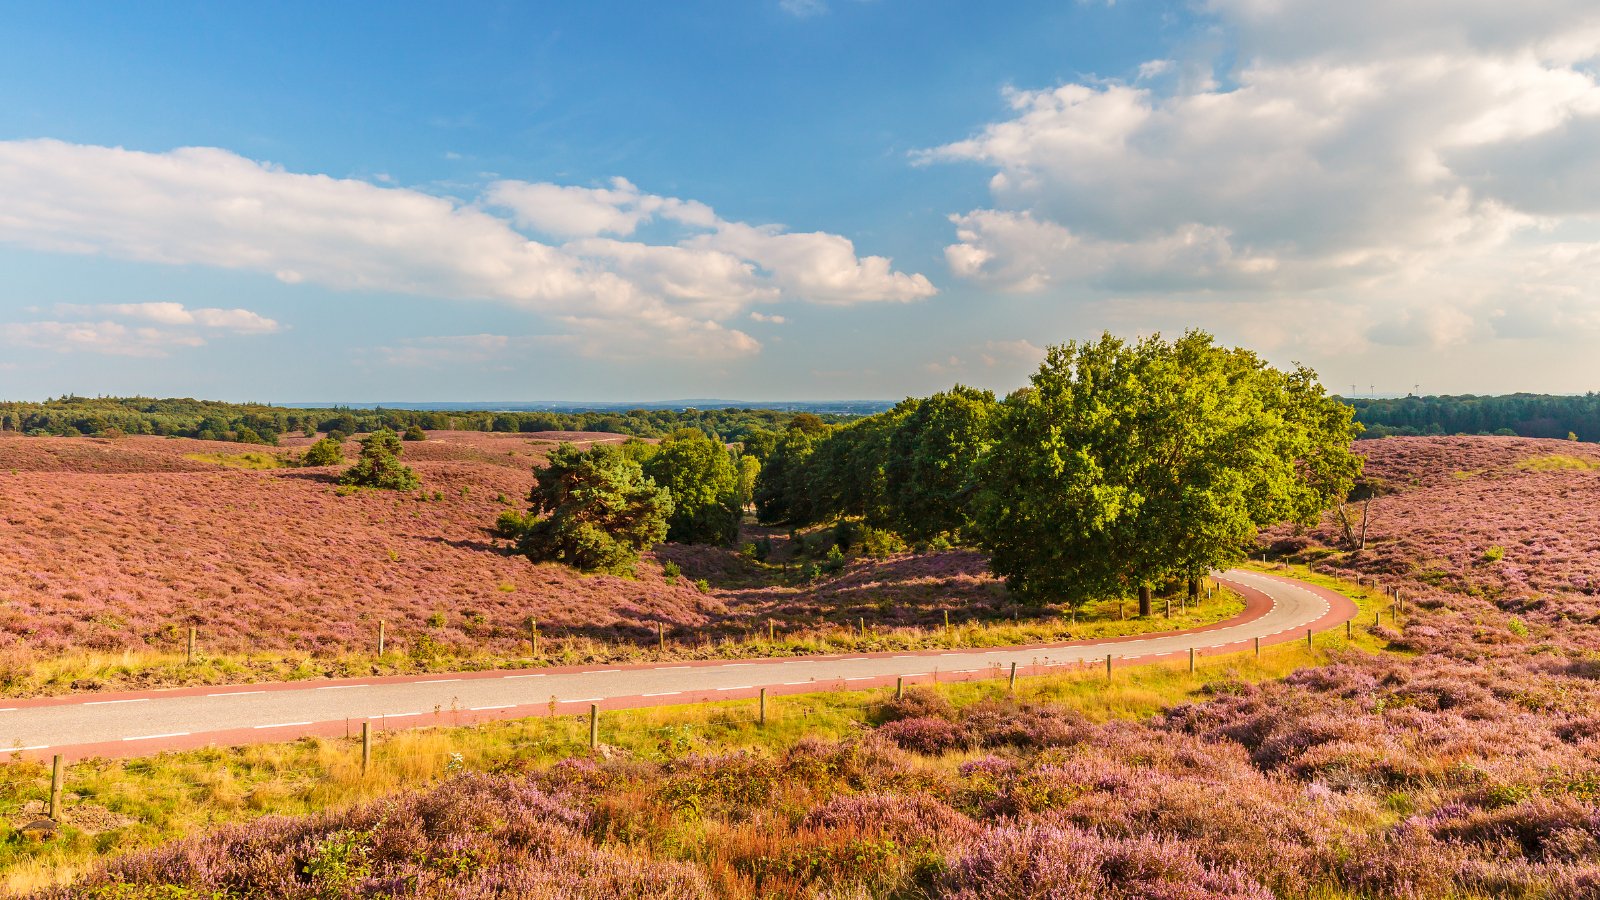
{"points": [[1526, 415], [1123, 467], [263, 424]]}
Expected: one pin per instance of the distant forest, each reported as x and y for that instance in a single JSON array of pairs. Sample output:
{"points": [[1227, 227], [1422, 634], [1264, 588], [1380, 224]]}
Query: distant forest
{"points": [[260, 424], [1527, 415]]}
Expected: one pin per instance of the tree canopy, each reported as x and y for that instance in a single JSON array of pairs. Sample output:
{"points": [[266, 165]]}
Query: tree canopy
{"points": [[379, 465], [594, 510], [704, 482], [326, 452], [1125, 465]]}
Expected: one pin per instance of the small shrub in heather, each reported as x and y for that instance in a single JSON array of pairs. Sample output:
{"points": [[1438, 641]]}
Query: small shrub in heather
{"points": [[924, 734], [919, 702], [1071, 864]]}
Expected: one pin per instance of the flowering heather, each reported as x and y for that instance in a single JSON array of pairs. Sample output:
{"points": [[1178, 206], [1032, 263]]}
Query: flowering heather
{"points": [[122, 544], [1466, 766]]}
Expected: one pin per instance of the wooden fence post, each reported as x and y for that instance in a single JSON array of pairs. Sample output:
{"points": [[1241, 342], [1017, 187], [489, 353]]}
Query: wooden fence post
{"points": [[594, 725], [899, 686], [533, 631], [1108, 667], [763, 707], [1013, 684], [57, 776], [1258, 648], [1191, 660], [382, 629], [366, 747], [661, 636], [1308, 639], [191, 645]]}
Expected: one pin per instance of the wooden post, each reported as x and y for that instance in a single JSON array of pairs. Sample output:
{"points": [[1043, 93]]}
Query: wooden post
{"points": [[191, 645], [1349, 629], [1308, 639], [1013, 684], [1169, 607], [1191, 660], [366, 747], [382, 628], [661, 636], [57, 776], [763, 707], [947, 620], [594, 725], [899, 686], [1108, 667], [1258, 648], [863, 626], [772, 632], [1375, 615], [533, 633]]}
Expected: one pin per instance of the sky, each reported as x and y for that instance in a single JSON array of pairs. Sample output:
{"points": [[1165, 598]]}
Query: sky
{"points": [[789, 199]]}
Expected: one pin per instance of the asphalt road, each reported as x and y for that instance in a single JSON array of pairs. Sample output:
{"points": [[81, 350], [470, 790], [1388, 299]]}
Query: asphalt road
{"points": [[1277, 609]]}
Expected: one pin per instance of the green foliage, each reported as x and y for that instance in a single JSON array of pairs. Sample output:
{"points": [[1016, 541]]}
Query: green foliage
{"points": [[704, 483], [326, 452], [594, 510], [930, 469], [414, 433], [834, 561], [379, 465], [1494, 554], [510, 524], [1126, 465], [670, 570]]}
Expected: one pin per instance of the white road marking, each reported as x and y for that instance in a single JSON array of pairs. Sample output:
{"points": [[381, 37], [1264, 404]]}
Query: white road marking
{"points": [[280, 725], [665, 668], [439, 681], [742, 687], [9, 709], [537, 675], [663, 694], [793, 683], [342, 687], [34, 747], [583, 700], [732, 665], [151, 737], [235, 693], [482, 708], [863, 678], [394, 715], [108, 702], [599, 671]]}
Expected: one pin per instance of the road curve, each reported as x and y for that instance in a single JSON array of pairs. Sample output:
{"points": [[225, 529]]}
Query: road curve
{"points": [[1277, 609]]}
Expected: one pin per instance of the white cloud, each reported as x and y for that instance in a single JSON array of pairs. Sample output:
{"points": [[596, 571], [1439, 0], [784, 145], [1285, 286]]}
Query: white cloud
{"points": [[771, 319], [239, 321], [206, 206], [1363, 153], [105, 328]]}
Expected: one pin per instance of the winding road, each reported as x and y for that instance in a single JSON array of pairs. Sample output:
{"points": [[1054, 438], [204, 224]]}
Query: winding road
{"points": [[1277, 609]]}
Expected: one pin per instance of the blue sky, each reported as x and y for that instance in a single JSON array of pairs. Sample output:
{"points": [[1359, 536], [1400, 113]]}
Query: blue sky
{"points": [[788, 200]]}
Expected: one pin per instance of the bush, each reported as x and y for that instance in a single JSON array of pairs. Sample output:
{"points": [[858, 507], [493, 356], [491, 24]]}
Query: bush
{"points": [[924, 734], [326, 452], [379, 465], [1494, 554], [510, 524], [414, 433], [920, 703], [834, 561], [880, 544], [670, 569], [598, 510]]}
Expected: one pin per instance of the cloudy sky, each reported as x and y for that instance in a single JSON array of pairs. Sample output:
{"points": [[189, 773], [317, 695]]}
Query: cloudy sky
{"points": [[789, 199]]}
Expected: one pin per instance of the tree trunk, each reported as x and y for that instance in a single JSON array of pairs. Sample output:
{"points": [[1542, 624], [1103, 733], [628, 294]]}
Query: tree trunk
{"points": [[1344, 523], [1144, 600], [1194, 591], [1364, 505]]}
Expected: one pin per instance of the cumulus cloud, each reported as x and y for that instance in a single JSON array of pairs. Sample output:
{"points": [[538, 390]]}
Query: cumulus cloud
{"points": [[133, 329], [207, 206], [803, 9], [1361, 152]]}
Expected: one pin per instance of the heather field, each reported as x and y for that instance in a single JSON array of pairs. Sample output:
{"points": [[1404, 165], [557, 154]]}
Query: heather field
{"points": [[1454, 753], [113, 548]]}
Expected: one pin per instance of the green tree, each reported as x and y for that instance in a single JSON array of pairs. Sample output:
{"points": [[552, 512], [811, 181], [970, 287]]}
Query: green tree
{"points": [[594, 510], [930, 464], [415, 433], [379, 465], [326, 452], [704, 482], [780, 492], [1124, 466]]}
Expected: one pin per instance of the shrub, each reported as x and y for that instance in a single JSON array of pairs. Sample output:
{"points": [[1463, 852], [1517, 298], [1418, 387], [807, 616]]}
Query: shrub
{"points": [[919, 703], [598, 510], [924, 734], [834, 561], [379, 465], [670, 569], [414, 433], [1494, 554], [326, 452], [880, 544]]}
